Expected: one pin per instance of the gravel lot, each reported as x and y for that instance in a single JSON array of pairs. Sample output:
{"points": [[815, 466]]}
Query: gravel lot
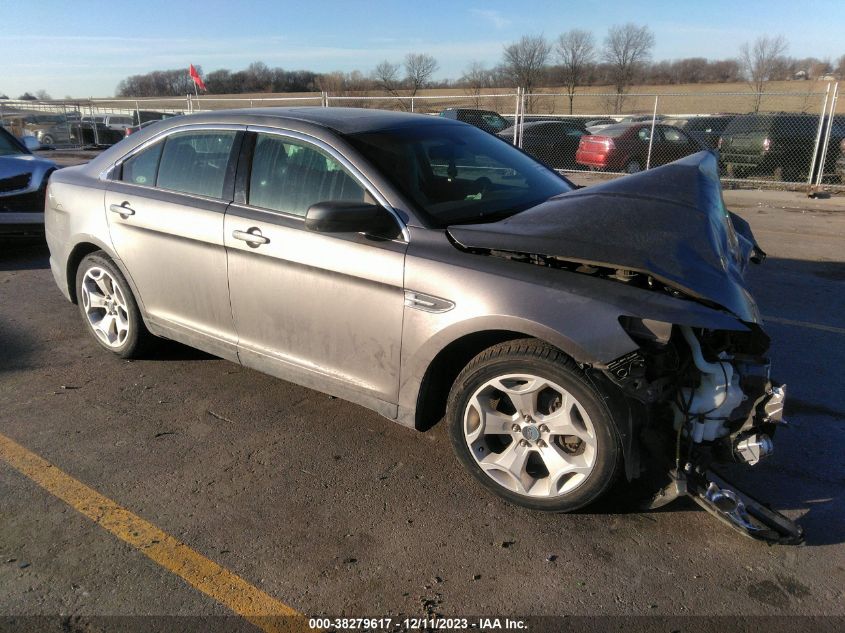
{"points": [[332, 509]]}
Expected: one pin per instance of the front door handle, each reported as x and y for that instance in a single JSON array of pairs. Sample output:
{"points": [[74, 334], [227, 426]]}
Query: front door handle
{"points": [[251, 236], [123, 210]]}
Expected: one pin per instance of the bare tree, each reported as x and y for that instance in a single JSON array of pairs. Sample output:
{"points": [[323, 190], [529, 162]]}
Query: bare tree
{"points": [[475, 79], [525, 62], [576, 50], [840, 67], [386, 77], [626, 49], [43, 95], [419, 67], [760, 60]]}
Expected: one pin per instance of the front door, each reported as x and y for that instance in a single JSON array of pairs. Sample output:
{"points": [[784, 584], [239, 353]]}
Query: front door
{"points": [[165, 210], [321, 309]]}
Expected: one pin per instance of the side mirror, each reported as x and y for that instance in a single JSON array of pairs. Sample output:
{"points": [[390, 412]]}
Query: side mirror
{"points": [[350, 217], [31, 143]]}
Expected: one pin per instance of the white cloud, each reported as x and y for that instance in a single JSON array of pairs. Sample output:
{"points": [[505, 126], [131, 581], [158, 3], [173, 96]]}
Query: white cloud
{"points": [[492, 16]]}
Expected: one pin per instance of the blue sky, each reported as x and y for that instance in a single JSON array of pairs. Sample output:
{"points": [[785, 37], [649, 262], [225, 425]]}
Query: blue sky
{"points": [[97, 43]]}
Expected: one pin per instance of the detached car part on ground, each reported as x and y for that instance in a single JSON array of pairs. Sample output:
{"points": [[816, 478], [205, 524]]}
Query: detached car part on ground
{"points": [[422, 267], [23, 182]]}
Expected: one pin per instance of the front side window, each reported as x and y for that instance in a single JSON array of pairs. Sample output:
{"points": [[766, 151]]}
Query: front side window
{"points": [[290, 176], [458, 174], [196, 162]]}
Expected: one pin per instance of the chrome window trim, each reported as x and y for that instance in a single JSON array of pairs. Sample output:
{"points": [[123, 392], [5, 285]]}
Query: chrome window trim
{"points": [[189, 127], [331, 151]]}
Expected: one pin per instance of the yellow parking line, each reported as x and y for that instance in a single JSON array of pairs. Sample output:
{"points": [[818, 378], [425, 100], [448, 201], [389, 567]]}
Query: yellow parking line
{"points": [[215, 581]]}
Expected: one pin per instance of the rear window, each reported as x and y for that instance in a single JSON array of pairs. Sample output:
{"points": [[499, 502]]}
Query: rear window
{"points": [[195, 162], [750, 123], [614, 131]]}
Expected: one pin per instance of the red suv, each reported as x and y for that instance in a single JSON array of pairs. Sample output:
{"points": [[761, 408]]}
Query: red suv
{"points": [[624, 147]]}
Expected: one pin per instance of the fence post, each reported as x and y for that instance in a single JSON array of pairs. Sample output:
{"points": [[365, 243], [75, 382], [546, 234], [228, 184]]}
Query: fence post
{"points": [[2, 124], [93, 123], [827, 134], [521, 116], [516, 118], [818, 141], [651, 136], [67, 124], [412, 104], [137, 113]]}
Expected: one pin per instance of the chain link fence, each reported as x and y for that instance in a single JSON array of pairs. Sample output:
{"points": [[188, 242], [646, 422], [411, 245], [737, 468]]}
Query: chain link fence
{"points": [[782, 139]]}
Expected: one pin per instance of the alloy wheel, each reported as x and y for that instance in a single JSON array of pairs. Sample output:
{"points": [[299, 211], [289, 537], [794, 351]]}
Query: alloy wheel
{"points": [[530, 435], [105, 307]]}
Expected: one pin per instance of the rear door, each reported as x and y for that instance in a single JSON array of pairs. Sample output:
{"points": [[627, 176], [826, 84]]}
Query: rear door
{"points": [[324, 310], [165, 208]]}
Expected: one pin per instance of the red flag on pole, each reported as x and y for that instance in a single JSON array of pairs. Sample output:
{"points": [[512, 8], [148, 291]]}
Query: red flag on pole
{"points": [[196, 77]]}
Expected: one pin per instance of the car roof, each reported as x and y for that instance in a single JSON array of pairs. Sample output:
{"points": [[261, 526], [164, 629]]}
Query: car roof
{"points": [[342, 120]]}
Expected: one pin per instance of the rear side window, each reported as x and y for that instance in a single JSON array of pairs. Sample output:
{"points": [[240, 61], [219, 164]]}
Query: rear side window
{"points": [[142, 167], [195, 162], [747, 124], [288, 176]]}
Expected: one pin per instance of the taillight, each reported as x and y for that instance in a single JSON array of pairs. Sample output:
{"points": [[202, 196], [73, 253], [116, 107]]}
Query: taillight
{"points": [[128, 131], [608, 144], [767, 144], [719, 143]]}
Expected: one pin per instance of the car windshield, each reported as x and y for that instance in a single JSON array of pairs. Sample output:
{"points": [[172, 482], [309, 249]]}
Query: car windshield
{"points": [[458, 174], [8, 146]]}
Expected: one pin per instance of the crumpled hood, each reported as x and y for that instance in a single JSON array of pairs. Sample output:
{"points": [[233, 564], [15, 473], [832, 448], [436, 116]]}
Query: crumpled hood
{"points": [[669, 222]]}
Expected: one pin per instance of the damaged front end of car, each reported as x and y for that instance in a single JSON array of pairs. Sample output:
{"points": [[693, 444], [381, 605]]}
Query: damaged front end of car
{"points": [[708, 399], [701, 396]]}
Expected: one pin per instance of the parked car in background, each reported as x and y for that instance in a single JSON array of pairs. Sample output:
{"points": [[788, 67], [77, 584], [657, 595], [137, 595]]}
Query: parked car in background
{"points": [[552, 142], [82, 133], [778, 145], [486, 120], [706, 129], [118, 122], [641, 118], [47, 128], [625, 147], [137, 128], [23, 181], [144, 116], [595, 125]]}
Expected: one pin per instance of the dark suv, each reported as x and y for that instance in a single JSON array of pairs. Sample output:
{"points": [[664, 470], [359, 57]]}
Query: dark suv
{"points": [[778, 145], [486, 120]]}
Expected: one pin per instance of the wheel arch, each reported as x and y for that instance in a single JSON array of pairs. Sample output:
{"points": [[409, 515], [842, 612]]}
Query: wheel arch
{"points": [[85, 247], [441, 372]]}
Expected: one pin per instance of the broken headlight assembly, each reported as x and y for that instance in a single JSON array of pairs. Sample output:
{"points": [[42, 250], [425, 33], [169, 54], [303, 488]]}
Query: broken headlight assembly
{"points": [[709, 400]]}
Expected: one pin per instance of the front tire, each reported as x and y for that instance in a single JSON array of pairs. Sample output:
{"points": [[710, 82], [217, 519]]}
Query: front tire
{"points": [[108, 308], [527, 423]]}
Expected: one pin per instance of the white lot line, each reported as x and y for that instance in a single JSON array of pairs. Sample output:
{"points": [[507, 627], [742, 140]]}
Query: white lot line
{"points": [[806, 324]]}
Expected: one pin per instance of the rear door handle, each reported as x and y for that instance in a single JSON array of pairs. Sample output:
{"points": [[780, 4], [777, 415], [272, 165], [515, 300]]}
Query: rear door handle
{"points": [[123, 210], [252, 236]]}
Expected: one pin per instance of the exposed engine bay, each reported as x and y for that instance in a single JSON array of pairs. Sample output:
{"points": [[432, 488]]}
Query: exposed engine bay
{"points": [[709, 400]]}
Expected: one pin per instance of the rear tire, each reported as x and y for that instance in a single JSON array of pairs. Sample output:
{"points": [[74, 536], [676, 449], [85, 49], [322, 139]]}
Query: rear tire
{"points": [[633, 167], [531, 428], [108, 308]]}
